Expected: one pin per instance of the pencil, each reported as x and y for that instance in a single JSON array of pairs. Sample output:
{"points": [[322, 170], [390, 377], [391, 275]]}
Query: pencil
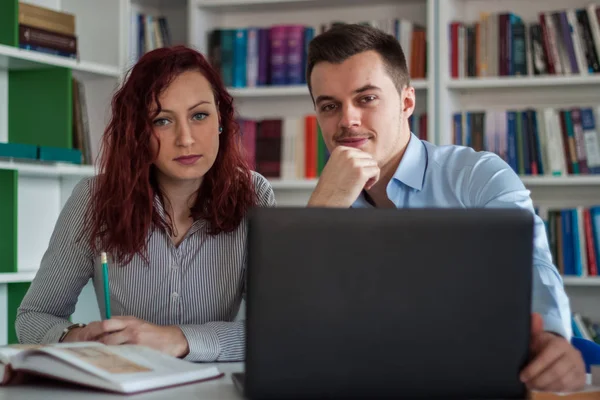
{"points": [[104, 260]]}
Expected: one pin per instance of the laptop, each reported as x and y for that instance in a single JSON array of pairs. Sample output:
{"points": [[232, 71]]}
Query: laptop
{"points": [[387, 303]]}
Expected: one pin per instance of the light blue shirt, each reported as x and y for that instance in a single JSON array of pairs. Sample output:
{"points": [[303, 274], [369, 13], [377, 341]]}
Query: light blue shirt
{"points": [[457, 176]]}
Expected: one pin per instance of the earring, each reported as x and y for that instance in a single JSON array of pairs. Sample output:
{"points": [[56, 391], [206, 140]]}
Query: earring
{"points": [[220, 129]]}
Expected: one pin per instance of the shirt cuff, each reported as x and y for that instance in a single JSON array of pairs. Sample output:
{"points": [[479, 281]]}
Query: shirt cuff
{"points": [[203, 342], [55, 332], [555, 325]]}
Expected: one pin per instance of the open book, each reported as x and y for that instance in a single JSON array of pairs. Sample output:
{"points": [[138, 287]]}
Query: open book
{"points": [[122, 369]]}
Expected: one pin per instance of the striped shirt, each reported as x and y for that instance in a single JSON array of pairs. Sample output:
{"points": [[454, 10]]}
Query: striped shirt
{"points": [[197, 286]]}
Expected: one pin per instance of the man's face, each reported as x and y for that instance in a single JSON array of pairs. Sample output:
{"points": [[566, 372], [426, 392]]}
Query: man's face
{"points": [[358, 105]]}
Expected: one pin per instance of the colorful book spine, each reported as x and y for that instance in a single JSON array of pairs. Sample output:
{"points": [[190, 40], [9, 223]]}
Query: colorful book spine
{"points": [[278, 55], [240, 53], [294, 54], [264, 57], [252, 59]]}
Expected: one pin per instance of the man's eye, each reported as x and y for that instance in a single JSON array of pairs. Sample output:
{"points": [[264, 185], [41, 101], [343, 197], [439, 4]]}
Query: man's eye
{"points": [[367, 99]]}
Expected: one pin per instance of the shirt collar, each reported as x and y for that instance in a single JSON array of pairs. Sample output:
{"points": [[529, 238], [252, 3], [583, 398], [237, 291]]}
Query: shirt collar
{"points": [[413, 164], [160, 209]]}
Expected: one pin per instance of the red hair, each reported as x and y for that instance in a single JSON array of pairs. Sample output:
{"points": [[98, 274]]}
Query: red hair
{"points": [[122, 209]]}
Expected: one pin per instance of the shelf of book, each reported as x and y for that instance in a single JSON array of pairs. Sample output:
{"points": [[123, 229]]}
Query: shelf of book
{"points": [[581, 280], [524, 82], [39, 169], [294, 90], [13, 58]]}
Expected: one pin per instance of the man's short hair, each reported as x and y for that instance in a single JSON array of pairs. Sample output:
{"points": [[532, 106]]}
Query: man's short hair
{"points": [[346, 40]]}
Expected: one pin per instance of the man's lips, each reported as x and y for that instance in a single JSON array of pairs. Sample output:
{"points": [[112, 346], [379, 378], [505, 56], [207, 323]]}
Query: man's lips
{"points": [[353, 141]]}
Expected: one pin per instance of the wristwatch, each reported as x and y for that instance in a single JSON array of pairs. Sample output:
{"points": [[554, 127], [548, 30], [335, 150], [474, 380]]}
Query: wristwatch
{"points": [[69, 329]]}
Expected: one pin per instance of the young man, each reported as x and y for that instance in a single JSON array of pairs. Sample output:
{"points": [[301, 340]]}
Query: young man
{"points": [[359, 83]]}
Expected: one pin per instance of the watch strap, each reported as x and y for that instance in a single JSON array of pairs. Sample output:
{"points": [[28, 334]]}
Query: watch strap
{"points": [[69, 329]]}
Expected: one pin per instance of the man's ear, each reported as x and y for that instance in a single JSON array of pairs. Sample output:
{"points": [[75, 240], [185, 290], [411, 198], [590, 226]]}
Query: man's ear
{"points": [[408, 101]]}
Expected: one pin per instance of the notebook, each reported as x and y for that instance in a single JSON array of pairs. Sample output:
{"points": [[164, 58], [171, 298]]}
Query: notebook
{"points": [[123, 369]]}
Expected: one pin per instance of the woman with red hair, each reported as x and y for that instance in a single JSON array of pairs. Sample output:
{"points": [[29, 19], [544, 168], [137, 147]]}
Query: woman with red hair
{"points": [[169, 209]]}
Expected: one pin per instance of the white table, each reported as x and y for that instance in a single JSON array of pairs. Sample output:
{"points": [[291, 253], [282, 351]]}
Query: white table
{"points": [[221, 389]]}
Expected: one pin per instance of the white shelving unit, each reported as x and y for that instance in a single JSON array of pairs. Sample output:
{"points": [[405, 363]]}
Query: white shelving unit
{"points": [[43, 188], [481, 93]]}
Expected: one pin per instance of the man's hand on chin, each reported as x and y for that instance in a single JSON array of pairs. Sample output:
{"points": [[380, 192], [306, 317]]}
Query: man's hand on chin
{"points": [[556, 366]]}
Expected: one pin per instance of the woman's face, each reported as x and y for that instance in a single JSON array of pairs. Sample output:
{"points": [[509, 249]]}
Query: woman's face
{"points": [[187, 128]]}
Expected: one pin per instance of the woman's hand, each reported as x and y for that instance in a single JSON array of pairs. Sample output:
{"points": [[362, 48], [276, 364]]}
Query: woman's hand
{"points": [[131, 330], [93, 331], [167, 339]]}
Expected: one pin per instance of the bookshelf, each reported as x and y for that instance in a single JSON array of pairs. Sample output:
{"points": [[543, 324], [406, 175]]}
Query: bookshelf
{"points": [[108, 41], [36, 110], [473, 77], [293, 101]]}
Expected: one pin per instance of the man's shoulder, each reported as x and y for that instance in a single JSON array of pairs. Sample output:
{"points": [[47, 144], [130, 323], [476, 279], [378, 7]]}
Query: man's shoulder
{"points": [[463, 159]]}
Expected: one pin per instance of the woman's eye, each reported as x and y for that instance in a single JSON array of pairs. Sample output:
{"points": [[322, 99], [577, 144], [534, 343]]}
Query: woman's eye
{"points": [[200, 116], [160, 122]]}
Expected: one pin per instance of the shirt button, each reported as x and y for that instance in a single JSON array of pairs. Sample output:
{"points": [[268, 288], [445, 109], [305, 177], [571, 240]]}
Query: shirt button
{"points": [[174, 267], [175, 295]]}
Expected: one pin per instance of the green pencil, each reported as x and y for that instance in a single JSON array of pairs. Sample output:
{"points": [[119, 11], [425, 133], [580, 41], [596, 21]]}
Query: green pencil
{"points": [[104, 260]]}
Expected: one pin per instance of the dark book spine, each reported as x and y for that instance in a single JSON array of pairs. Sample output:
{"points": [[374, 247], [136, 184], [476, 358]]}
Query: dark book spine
{"points": [[589, 49], [519, 52], [29, 35]]}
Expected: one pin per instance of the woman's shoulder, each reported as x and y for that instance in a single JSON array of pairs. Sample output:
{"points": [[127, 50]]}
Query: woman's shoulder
{"points": [[83, 189], [81, 195], [263, 189]]}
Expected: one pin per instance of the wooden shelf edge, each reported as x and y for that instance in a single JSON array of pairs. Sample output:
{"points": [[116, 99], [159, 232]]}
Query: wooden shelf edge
{"points": [[232, 4], [26, 168], [581, 281], [570, 180], [293, 184], [28, 59], [14, 277], [522, 81], [294, 90]]}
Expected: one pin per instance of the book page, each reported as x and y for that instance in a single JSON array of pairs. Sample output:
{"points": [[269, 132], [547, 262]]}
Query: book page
{"points": [[105, 360], [6, 352], [127, 367], [145, 363]]}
